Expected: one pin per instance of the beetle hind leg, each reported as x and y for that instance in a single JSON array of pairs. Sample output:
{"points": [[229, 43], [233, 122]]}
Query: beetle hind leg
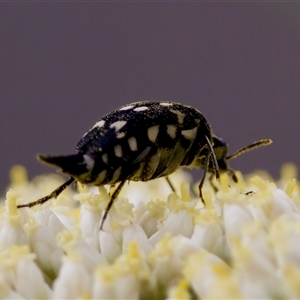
{"points": [[52, 195], [113, 197], [210, 157], [203, 179], [170, 183]]}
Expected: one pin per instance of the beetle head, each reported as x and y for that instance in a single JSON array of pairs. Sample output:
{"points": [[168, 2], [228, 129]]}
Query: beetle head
{"points": [[220, 149]]}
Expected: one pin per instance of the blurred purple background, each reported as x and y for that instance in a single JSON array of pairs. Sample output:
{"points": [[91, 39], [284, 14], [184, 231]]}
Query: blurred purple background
{"points": [[64, 65]]}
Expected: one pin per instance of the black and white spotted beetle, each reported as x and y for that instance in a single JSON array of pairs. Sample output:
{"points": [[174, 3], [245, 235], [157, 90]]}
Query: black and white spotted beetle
{"points": [[142, 141]]}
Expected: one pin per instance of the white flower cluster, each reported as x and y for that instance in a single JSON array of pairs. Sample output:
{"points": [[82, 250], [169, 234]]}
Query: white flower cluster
{"points": [[155, 244]]}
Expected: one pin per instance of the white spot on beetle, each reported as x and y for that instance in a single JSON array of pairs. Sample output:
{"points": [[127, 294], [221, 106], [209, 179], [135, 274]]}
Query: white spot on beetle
{"points": [[118, 125], [171, 130], [118, 150], [165, 104], [99, 124], [141, 108], [116, 175], [105, 158], [89, 162], [153, 132], [126, 107], [120, 135], [180, 115], [132, 143], [190, 134]]}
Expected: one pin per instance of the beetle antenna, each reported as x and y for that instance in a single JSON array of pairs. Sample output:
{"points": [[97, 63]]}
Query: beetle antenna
{"points": [[255, 145], [213, 158]]}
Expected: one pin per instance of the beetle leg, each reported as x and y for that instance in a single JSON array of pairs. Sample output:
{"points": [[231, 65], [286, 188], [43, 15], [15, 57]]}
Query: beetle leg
{"points": [[233, 176], [170, 184], [211, 177], [54, 194], [203, 178], [111, 201], [213, 158]]}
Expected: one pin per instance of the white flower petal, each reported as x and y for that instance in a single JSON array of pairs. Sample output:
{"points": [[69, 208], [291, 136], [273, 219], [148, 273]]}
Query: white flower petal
{"points": [[136, 233], [177, 223], [73, 281], [210, 277], [210, 237], [109, 247], [281, 204], [234, 216], [119, 287], [29, 281], [44, 244], [90, 224], [91, 258], [12, 234], [48, 218]]}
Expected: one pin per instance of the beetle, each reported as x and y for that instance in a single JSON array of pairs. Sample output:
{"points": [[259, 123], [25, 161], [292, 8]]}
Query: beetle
{"points": [[141, 141]]}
